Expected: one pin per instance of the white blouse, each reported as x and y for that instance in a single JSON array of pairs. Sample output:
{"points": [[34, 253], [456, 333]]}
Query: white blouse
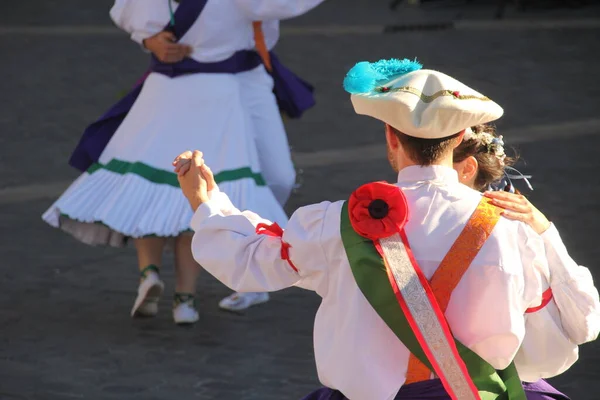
{"points": [[355, 351], [224, 26]]}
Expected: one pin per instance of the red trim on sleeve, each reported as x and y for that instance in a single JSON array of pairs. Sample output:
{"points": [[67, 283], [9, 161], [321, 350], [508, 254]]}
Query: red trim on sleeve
{"points": [[546, 297], [276, 231]]}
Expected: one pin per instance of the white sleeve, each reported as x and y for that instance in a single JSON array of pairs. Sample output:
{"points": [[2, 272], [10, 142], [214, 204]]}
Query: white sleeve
{"points": [[230, 249], [140, 18], [546, 350], [553, 331], [225, 205], [573, 289], [262, 10]]}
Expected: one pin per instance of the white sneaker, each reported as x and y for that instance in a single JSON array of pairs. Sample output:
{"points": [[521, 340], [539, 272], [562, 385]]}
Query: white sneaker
{"points": [[242, 301], [149, 292], [184, 312]]}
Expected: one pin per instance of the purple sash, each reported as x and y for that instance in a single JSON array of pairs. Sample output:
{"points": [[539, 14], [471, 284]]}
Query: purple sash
{"points": [[434, 390], [294, 95]]}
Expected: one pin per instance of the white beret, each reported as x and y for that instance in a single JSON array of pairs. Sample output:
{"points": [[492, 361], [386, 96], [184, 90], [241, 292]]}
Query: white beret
{"points": [[421, 103]]}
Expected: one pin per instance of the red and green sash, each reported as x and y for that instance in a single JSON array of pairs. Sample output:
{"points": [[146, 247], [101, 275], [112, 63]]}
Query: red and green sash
{"points": [[372, 230]]}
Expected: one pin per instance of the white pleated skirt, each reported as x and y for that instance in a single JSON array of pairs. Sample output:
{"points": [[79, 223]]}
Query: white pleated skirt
{"points": [[133, 192]]}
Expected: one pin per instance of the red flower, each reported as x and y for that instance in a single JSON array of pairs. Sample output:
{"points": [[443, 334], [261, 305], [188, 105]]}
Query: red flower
{"points": [[378, 210]]}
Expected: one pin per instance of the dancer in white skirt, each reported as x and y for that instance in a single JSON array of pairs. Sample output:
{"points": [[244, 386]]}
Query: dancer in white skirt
{"points": [[127, 189], [269, 133]]}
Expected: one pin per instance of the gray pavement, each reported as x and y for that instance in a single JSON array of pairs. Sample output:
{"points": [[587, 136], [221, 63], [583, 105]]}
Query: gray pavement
{"points": [[65, 332]]}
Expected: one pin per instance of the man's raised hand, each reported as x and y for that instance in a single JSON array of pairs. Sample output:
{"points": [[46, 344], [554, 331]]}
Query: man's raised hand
{"points": [[190, 170]]}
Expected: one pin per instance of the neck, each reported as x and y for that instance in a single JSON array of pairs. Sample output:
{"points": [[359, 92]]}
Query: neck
{"points": [[444, 161]]}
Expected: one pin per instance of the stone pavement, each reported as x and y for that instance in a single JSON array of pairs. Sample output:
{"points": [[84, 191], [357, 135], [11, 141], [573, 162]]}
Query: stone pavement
{"points": [[65, 332]]}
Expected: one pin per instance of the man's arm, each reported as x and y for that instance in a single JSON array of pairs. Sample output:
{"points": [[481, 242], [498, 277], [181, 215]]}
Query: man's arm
{"points": [[242, 250], [248, 259]]}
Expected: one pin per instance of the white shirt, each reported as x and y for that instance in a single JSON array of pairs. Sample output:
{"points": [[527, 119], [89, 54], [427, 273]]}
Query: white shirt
{"points": [[224, 26], [355, 351]]}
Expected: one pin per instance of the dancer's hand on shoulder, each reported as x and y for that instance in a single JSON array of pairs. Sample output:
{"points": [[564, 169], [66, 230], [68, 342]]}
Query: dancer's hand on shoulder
{"points": [[517, 207], [194, 176], [164, 46]]}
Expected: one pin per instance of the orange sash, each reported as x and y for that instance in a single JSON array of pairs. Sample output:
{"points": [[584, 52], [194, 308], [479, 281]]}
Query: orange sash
{"points": [[261, 45], [453, 266]]}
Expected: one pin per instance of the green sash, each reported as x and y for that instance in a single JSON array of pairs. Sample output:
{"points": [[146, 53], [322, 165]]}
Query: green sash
{"points": [[370, 274]]}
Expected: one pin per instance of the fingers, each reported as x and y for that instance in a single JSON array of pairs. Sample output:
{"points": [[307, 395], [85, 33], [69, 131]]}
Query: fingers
{"points": [[168, 36], [173, 53], [177, 50], [169, 50], [186, 160], [515, 216], [197, 158], [512, 202], [189, 155], [182, 167], [512, 205], [207, 172], [185, 155], [502, 195]]}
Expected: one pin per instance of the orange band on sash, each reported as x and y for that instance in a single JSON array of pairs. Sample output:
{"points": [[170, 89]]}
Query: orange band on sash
{"points": [[453, 266], [261, 45]]}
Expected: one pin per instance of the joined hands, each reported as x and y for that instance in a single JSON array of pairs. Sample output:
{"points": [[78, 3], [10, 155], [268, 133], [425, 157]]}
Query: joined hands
{"points": [[195, 177]]}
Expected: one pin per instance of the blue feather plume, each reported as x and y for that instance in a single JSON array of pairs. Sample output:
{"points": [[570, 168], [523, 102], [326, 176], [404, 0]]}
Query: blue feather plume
{"points": [[366, 76]]}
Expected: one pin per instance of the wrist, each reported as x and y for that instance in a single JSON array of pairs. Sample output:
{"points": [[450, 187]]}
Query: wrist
{"points": [[147, 43], [543, 227], [541, 223], [196, 200]]}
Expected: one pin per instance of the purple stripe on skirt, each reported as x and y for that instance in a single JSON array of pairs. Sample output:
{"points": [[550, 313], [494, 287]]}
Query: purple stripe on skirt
{"points": [[434, 390]]}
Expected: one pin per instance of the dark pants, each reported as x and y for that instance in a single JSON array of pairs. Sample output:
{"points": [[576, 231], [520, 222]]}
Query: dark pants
{"points": [[433, 390]]}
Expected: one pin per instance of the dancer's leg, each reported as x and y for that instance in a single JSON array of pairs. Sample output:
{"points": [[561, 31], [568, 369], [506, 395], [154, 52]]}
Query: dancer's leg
{"points": [[186, 275], [149, 251]]}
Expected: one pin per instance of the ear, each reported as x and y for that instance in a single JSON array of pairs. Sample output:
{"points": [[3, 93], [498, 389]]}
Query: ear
{"points": [[470, 168], [391, 138], [467, 170], [458, 140]]}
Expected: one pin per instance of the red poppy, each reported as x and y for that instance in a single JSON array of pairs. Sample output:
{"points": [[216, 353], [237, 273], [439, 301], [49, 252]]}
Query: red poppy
{"points": [[378, 210]]}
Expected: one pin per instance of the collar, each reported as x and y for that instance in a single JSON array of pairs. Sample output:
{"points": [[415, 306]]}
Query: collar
{"points": [[418, 173]]}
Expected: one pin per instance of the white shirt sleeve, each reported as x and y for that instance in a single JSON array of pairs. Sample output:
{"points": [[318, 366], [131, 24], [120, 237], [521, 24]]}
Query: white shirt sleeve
{"points": [[546, 350], [140, 18], [229, 248], [262, 10], [570, 318], [573, 290]]}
